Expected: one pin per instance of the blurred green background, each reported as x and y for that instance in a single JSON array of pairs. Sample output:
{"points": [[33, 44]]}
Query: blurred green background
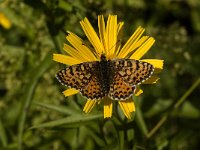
{"points": [[34, 114]]}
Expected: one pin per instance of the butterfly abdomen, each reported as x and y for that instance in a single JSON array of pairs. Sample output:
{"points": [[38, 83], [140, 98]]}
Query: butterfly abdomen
{"points": [[104, 67]]}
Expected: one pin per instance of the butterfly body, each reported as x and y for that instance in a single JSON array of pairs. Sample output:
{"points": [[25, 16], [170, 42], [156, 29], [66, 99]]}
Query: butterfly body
{"points": [[116, 78], [105, 74]]}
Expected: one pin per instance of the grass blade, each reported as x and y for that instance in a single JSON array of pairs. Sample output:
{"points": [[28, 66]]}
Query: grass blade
{"points": [[3, 135], [29, 91], [71, 121], [64, 110]]}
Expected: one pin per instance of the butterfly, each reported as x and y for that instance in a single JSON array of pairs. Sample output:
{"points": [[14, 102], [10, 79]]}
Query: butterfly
{"points": [[115, 78]]}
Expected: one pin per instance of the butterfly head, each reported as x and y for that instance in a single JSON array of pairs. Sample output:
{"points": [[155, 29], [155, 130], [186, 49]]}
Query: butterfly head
{"points": [[103, 57]]}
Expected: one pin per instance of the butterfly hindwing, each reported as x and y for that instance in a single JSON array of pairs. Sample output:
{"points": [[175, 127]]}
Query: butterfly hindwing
{"points": [[120, 90], [93, 90]]}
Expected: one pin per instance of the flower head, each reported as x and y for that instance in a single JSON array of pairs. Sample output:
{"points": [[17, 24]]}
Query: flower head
{"points": [[107, 42]]}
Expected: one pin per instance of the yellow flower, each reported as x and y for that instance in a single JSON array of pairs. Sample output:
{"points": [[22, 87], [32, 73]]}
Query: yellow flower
{"points": [[4, 21], [107, 42]]}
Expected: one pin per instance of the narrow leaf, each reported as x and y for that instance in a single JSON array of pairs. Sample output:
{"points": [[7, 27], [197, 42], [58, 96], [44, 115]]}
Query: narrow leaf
{"points": [[71, 120]]}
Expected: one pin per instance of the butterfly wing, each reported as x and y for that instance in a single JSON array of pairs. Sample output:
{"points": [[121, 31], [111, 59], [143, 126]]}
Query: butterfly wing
{"points": [[127, 74], [120, 90], [76, 76], [93, 90], [83, 77], [132, 71]]}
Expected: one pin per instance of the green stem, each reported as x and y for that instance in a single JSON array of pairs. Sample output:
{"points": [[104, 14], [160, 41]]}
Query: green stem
{"points": [[3, 136], [187, 93], [140, 119], [157, 126], [177, 104]]}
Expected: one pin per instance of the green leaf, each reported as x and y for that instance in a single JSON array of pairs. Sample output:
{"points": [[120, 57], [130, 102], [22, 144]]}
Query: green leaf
{"points": [[29, 91], [187, 111], [158, 107], [130, 134], [65, 5], [96, 137], [71, 121], [3, 135], [65, 110]]}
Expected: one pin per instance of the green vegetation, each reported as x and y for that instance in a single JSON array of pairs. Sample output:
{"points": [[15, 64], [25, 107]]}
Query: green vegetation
{"points": [[35, 115]]}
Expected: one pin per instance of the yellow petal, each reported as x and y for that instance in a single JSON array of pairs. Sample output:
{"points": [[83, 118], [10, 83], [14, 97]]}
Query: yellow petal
{"points": [[157, 63], [119, 37], [141, 41], [70, 92], [4, 21], [127, 107], [89, 105], [138, 91], [119, 27], [81, 47], [130, 44], [102, 32], [68, 60], [130, 104], [107, 108], [143, 49], [92, 36], [74, 53], [151, 80], [111, 35]]}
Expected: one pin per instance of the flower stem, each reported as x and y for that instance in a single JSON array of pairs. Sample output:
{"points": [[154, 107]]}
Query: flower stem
{"points": [[187, 93], [140, 119], [158, 125], [177, 104]]}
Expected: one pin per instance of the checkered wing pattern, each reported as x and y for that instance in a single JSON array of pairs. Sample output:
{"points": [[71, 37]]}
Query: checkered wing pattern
{"points": [[127, 74], [120, 76], [76, 76], [93, 90], [82, 77], [120, 90]]}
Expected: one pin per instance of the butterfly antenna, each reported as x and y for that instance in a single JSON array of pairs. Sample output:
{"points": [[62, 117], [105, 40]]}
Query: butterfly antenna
{"points": [[118, 41], [116, 44], [92, 49]]}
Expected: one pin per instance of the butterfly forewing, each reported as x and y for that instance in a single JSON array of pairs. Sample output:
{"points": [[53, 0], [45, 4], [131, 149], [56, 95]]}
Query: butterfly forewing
{"points": [[133, 72], [77, 76], [127, 73]]}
